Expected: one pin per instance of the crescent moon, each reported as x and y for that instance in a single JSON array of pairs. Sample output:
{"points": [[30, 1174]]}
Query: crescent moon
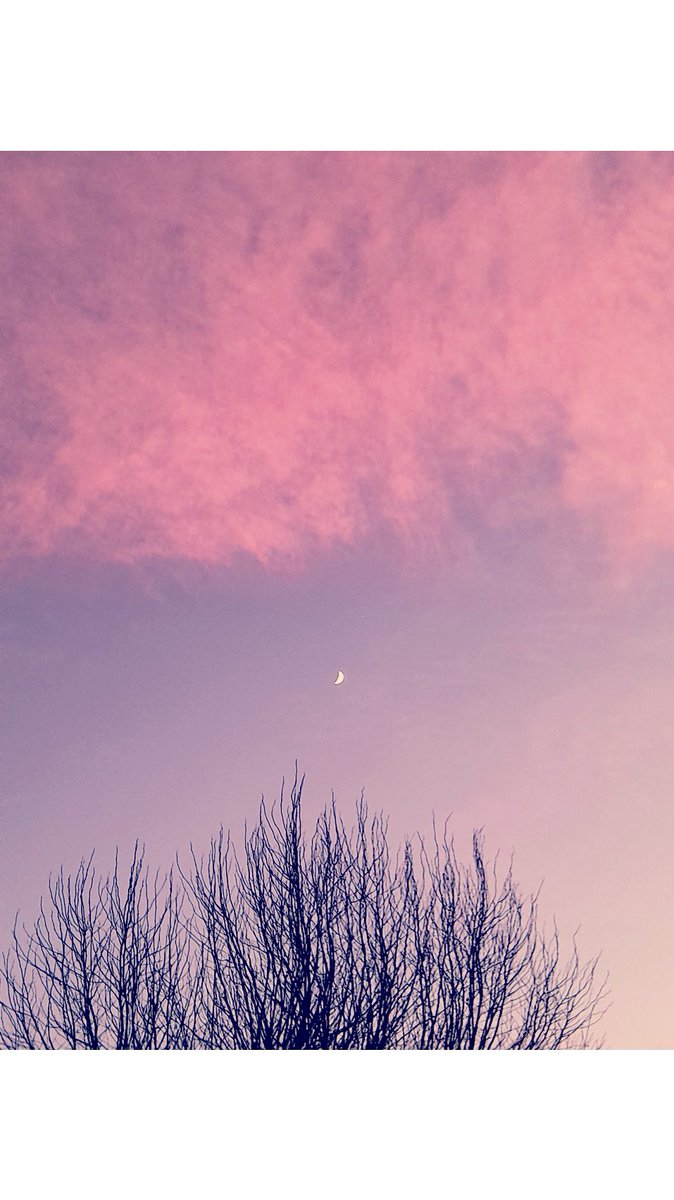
{"points": [[340, 677]]}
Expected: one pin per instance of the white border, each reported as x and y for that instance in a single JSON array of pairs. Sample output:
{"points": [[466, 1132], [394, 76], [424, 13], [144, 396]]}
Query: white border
{"points": [[392, 1124], [359, 74]]}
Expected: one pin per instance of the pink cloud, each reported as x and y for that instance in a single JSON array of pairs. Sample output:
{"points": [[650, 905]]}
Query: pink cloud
{"points": [[209, 354]]}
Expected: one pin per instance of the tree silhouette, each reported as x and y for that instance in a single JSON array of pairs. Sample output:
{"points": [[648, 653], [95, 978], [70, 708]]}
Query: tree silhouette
{"points": [[106, 965], [325, 942]]}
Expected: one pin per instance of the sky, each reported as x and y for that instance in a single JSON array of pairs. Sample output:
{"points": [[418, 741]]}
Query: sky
{"points": [[264, 417]]}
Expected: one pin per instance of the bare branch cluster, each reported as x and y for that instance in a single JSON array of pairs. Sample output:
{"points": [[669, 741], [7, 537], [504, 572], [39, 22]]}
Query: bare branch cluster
{"points": [[296, 943]]}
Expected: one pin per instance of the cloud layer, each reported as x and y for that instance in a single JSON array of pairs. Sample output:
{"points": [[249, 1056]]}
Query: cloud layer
{"points": [[209, 354]]}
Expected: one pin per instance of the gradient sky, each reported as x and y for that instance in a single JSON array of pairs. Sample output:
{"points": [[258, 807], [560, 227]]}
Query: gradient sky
{"points": [[264, 416]]}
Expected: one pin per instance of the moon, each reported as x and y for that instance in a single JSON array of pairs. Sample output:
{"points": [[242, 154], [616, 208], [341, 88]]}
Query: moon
{"points": [[340, 677]]}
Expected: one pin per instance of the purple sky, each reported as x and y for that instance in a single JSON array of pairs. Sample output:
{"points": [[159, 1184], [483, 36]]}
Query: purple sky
{"points": [[268, 416]]}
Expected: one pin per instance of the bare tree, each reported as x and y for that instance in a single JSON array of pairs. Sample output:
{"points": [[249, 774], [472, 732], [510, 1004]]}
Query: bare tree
{"points": [[324, 942], [303, 946], [106, 965]]}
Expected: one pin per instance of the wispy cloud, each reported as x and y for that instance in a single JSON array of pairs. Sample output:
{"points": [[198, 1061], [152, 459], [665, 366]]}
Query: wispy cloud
{"points": [[204, 355]]}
